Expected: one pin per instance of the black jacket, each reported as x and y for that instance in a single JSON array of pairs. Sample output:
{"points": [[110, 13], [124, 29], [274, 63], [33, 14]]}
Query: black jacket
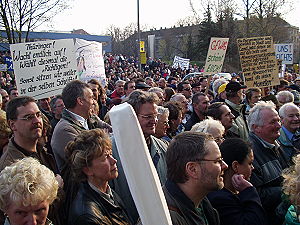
{"points": [[183, 210], [266, 176], [241, 209], [90, 208]]}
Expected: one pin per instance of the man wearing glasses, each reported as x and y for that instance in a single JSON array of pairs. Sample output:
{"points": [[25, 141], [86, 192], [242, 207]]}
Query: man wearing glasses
{"points": [[145, 107], [25, 120], [194, 168]]}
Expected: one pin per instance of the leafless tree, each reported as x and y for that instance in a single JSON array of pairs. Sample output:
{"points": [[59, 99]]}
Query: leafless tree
{"points": [[18, 16]]}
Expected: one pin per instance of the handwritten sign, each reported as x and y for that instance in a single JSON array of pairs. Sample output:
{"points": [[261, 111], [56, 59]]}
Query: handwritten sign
{"points": [[215, 55], [284, 52], [181, 62], [258, 61], [43, 68], [89, 59]]}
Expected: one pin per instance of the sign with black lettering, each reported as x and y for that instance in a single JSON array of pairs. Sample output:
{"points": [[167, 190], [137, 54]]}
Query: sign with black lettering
{"points": [[258, 61], [89, 61], [43, 68], [285, 53], [215, 55]]}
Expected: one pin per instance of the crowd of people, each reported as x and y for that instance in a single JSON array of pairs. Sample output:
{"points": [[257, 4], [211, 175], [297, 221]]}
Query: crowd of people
{"points": [[224, 153]]}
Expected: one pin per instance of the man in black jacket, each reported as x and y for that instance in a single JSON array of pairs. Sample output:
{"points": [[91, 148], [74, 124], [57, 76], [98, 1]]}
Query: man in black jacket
{"points": [[269, 159], [194, 168]]}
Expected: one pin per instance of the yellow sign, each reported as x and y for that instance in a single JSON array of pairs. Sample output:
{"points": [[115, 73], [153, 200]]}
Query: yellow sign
{"points": [[258, 61], [143, 58], [142, 46]]}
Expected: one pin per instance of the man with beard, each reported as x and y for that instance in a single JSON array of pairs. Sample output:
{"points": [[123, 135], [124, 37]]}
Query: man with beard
{"points": [[289, 137], [200, 104], [235, 97], [269, 159], [25, 120], [195, 168]]}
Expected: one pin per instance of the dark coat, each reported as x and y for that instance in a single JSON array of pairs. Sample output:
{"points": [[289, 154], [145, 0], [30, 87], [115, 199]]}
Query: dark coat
{"points": [[266, 176], [241, 209], [183, 210], [191, 122], [90, 208]]}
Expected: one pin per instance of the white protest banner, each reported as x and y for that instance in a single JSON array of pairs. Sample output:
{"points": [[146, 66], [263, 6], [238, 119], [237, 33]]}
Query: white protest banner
{"points": [[259, 65], [181, 62], [43, 68], [285, 52], [3, 67], [215, 55], [90, 63], [141, 174]]}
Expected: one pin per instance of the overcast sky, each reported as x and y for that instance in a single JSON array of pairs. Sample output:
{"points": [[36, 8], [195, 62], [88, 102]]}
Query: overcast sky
{"points": [[94, 16]]}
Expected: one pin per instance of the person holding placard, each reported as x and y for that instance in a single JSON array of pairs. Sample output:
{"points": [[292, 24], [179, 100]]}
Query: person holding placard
{"points": [[145, 107]]}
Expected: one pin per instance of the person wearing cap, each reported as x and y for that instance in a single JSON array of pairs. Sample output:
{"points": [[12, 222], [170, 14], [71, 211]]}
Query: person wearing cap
{"points": [[142, 86], [235, 96], [219, 86], [196, 87]]}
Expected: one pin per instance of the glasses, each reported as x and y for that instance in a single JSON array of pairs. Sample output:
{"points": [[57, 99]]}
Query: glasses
{"points": [[219, 139], [30, 117], [187, 89], [149, 117], [218, 160]]}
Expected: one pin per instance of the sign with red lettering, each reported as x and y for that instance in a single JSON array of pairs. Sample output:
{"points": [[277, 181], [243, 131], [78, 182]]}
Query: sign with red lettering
{"points": [[215, 55]]}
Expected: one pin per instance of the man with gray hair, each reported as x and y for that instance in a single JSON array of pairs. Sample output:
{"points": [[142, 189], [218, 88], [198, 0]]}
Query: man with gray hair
{"points": [[289, 137], [269, 159], [119, 89], [284, 97]]}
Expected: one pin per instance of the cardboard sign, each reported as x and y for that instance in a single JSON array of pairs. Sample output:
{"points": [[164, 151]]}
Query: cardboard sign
{"points": [[141, 175], [181, 62], [215, 55], [258, 61], [285, 52], [89, 61], [43, 68]]}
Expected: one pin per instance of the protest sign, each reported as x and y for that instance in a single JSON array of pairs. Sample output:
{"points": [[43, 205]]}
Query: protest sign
{"points": [[141, 176], [285, 52], [90, 63], [258, 61], [181, 62], [8, 61], [215, 55], [3, 67], [43, 68]]}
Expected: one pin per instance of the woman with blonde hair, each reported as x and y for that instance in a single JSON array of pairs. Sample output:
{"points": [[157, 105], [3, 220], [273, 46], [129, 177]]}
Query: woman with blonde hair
{"points": [[211, 126], [27, 188], [92, 166]]}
